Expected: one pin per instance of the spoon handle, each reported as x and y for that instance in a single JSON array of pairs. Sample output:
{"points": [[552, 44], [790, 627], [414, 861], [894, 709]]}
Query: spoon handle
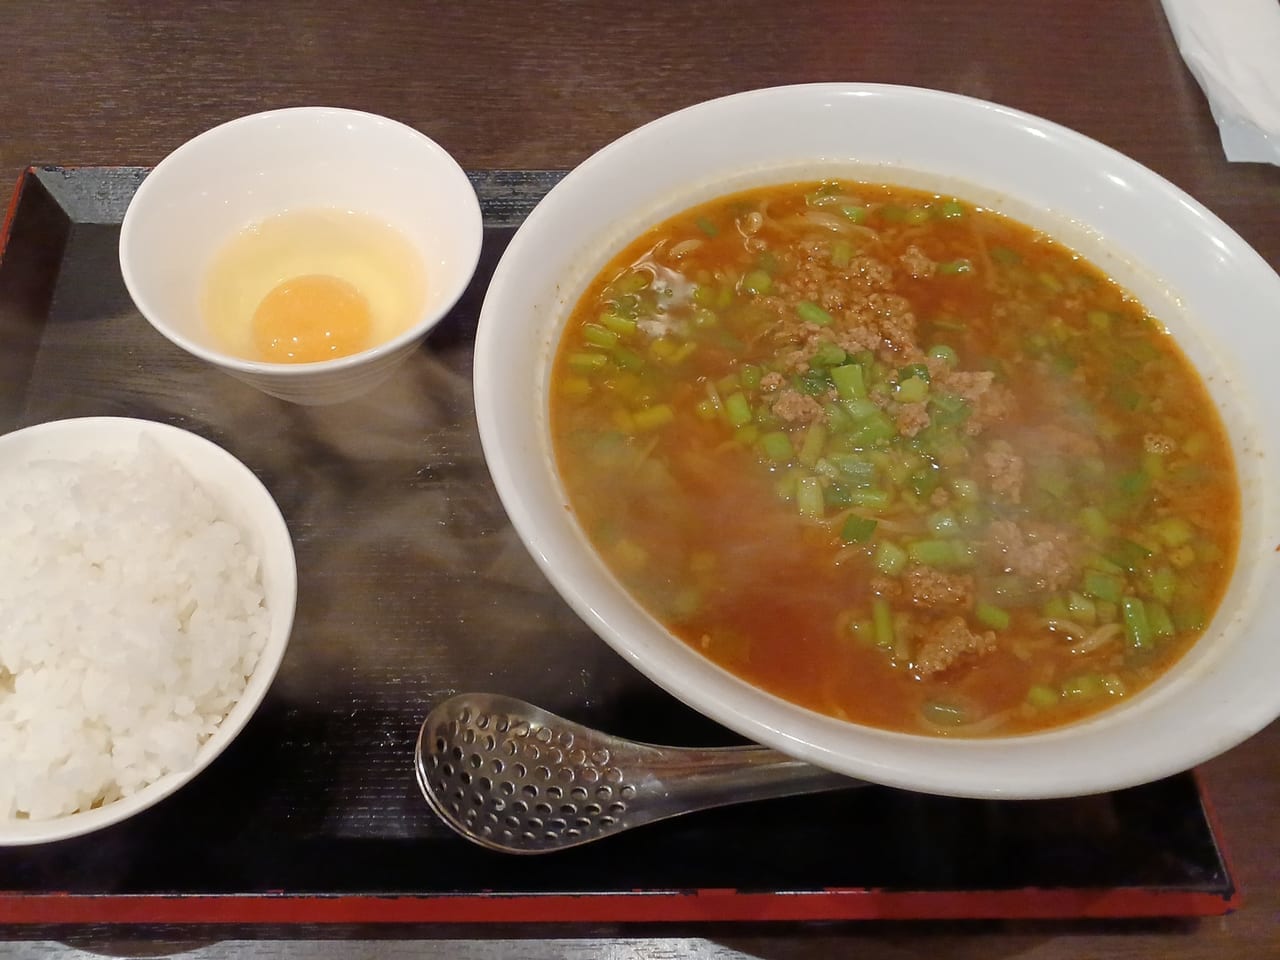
{"points": [[700, 779]]}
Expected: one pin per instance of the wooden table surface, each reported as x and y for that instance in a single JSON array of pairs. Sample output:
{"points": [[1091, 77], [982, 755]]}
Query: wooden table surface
{"points": [[543, 85]]}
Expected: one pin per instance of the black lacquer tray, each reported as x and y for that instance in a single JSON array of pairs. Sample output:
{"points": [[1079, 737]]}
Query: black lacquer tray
{"points": [[413, 586]]}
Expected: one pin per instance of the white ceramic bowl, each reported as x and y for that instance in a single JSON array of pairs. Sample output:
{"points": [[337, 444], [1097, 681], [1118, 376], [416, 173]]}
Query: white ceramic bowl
{"points": [[210, 188], [243, 500], [1216, 295]]}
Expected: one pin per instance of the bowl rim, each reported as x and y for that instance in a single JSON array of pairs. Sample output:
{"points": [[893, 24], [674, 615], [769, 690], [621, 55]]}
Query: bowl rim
{"points": [[470, 244], [976, 768], [108, 433]]}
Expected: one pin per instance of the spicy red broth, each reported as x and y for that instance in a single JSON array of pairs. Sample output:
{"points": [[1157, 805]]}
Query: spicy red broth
{"points": [[895, 458]]}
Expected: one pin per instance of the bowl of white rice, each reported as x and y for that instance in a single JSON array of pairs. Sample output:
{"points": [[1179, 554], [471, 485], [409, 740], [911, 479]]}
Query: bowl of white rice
{"points": [[145, 606]]}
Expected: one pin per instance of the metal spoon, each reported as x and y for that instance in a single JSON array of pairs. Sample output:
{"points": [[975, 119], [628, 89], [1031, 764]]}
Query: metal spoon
{"points": [[514, 778]]}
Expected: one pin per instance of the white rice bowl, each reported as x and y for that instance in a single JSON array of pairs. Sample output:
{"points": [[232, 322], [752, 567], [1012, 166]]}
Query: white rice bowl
{"points": [[147, 591]]}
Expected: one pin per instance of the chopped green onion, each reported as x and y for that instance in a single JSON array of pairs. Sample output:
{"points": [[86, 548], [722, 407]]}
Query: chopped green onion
{"points": [[860, 472], [599, 336], [1100, 320], [876, 429], [587, 362], [828, 355], [834, 493], [860, 409], [857, 529], [912, 390], [650, 418], [882, 623], [815, 441], [1084, 687], [869, 497], [1127, 554], [812, 313], [1050, 281], [777, 446], [757, 281], [1136, 626], [686, 350], [737, 409], [889, 559], [1041, 696], [932, 553], [809, 497], [627, 359], [813, 382], [1164, 584], [1103, 586], [940, 351], [923, 482], [1174, 531], [997, 618], [633, 282], [1094, 523], [1055, 608], [965, 488], [1082, 609], [1134, 483], [1160, 621], [944, 524], [623, 326], [849, 381], [1188, 616], [917, 370]]}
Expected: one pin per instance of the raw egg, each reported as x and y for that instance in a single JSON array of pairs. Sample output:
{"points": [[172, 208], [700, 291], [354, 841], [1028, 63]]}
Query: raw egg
{"points": [[312, 285]]}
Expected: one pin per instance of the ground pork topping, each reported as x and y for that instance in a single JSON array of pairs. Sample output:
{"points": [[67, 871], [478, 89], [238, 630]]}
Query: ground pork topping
{"points": [[916, 262], [943, 645], [1041, 553], [933, 588], [1005, 469], [795, 407], [911, 418]]}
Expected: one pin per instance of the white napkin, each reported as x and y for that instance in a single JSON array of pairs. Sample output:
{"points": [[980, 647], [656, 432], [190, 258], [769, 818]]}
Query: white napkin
{"points": [[1232, 47]]}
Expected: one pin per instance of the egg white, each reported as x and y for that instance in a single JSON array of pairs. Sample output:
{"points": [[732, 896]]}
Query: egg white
{"points": [[375, 259]]}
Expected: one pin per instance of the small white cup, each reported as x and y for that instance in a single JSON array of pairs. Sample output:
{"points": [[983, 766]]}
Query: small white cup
{"points": [[240, 173]]}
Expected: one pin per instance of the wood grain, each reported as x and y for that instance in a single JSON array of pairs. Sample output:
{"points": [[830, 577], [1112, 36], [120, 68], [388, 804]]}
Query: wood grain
{"points": [[542, 85]]}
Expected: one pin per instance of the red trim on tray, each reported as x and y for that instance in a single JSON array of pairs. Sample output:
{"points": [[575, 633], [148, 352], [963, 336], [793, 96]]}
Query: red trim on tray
{"points": [[697, 906], [1219, 837], [12, 209]]}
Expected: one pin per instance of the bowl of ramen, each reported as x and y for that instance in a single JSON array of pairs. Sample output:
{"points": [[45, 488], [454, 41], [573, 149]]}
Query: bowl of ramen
{"points": [[902, 432], [306, 251]]}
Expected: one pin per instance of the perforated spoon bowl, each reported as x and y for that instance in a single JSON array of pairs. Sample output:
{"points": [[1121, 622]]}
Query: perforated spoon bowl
{"points": [[515, 778]]}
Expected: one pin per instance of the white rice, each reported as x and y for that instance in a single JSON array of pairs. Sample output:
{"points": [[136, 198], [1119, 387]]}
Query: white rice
{"points": [[131, 615]]}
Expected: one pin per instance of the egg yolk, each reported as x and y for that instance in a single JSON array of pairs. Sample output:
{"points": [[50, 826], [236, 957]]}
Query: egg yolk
{"points": [[310, 318]]}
